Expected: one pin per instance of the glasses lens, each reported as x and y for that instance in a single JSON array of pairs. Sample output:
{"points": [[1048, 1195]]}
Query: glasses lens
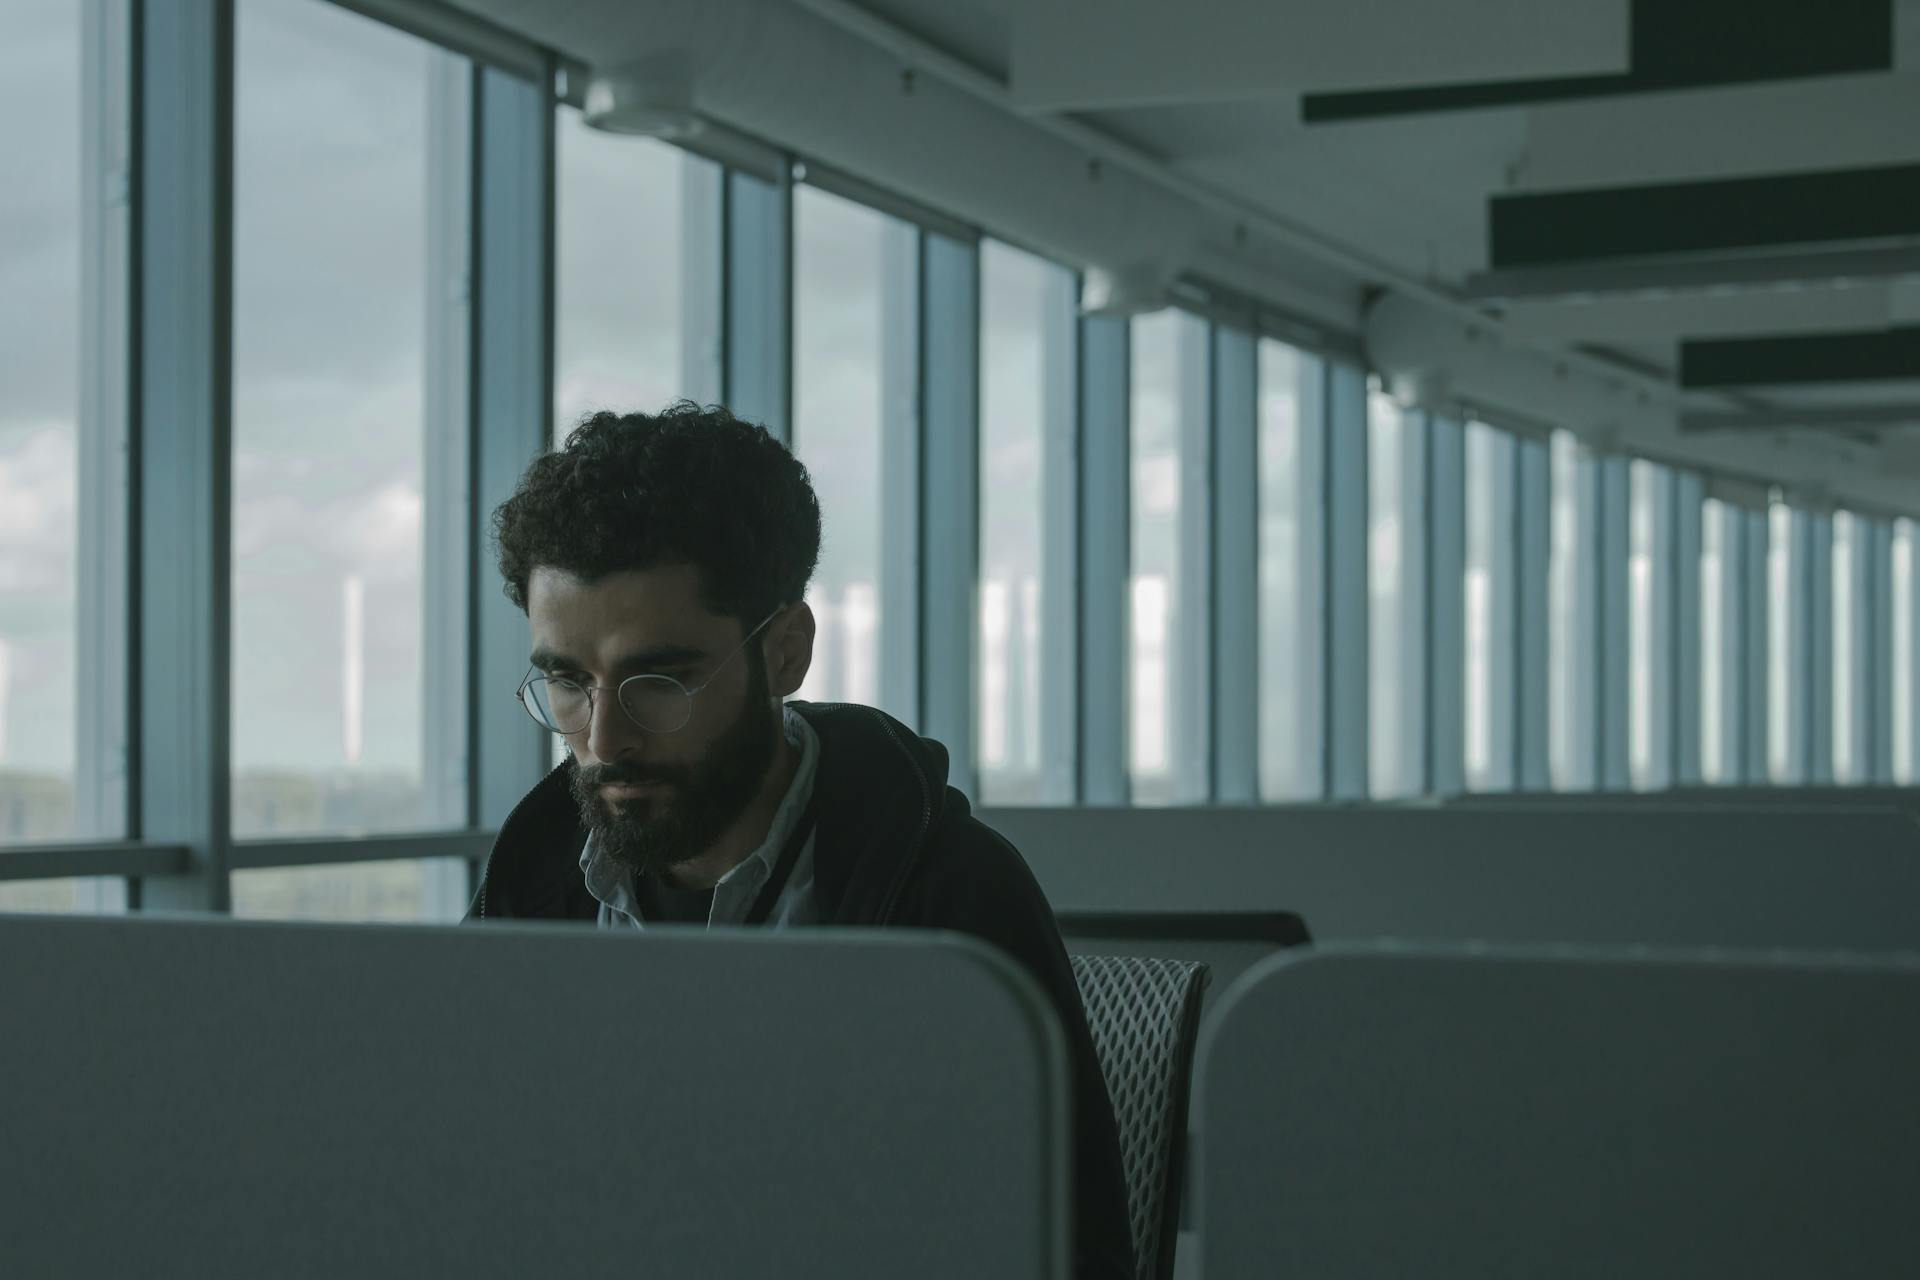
{"points": [[659, 703], [560, 705]]}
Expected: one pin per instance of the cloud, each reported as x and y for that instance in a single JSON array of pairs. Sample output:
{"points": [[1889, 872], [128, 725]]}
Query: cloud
{"points": [[37, 524]]}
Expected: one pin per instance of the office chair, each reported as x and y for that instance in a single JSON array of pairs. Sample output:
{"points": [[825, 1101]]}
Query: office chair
{"points": [[1145, 1018]]}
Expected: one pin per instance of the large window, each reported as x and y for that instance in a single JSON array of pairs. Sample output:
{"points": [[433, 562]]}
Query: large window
{"points": [[1025, 671], [1396, 587], [337, 279], [40, 355], [1492, 623], [422, 889], [636, 302], [63, 708], [1291, 507], [855, 426], [1167, 681]]}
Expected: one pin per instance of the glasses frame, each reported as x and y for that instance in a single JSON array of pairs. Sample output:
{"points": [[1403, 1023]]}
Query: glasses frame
{"points": [[534, 673]]}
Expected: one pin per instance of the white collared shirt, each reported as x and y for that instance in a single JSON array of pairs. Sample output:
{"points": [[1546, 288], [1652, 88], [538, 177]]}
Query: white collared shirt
{"points": [[612, 884]]}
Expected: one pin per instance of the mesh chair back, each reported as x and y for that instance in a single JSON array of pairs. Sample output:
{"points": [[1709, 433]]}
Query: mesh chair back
{"points": [[1145, 1018]]}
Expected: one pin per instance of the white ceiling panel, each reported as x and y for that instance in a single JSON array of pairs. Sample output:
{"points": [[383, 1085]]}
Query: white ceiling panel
{"points": [[1080, 54]]}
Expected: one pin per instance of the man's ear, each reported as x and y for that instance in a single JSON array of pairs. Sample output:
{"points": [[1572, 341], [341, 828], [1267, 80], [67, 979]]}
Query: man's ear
{"points": [[789, 650]]}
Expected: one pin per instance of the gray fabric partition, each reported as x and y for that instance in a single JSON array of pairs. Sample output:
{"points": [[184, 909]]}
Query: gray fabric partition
{"points": [[198, 1097], [1502, 1113], [1657, 875]]}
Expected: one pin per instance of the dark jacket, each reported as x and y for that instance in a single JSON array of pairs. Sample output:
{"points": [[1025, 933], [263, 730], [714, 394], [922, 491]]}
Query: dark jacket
{"points": [[894, 846]]}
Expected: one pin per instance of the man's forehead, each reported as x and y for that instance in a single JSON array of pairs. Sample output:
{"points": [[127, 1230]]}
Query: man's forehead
{"points": [[627, 612]]}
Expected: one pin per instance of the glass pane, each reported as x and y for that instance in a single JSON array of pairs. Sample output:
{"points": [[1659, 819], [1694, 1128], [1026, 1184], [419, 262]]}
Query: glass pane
{"points": [[1026, 453], [1491, 620], [1903, 655], [331, 296], [1168, 354], [40, 293], [1717, 568], [1572, 671], [421, 890], [1396, 517], [90, 895], [1849, 545], [1649, 625], [620, 326], [853, 363], [1289, 766], [1782, 650]]}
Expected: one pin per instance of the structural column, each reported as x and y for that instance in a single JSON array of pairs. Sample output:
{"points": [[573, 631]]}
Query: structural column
{"points": [[1612, 639], [1343, 428], [1105, 532], [1532, 534], [949, 486], [1235, 597], [1445, 614], [1689, 495], [512, 410], [182, 446]]}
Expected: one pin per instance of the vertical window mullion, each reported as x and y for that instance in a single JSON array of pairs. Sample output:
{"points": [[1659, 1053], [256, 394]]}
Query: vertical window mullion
{"points": [[757, 292], [1683, 560], [1105, 524], [182, 446], [512, 410], [950, 497], [1344, 637], [1532, 668], [1817, 628], [1443, 636], [1611, 620], [1234, 687]]}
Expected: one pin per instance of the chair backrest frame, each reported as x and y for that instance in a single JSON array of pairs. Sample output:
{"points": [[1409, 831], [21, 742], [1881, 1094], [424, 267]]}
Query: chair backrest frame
{"points": [[1155, 1179]]}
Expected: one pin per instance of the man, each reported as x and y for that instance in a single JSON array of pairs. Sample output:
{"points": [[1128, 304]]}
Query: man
{"points": [[662, 563]]}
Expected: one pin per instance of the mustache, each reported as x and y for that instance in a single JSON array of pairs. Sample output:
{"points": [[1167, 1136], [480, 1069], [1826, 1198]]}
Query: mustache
{"points": [[599, 775]]}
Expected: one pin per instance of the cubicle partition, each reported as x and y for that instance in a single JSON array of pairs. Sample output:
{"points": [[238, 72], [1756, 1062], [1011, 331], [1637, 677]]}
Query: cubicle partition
{"points": [[1659, 875], [203, 1098], [1581, 1112]]}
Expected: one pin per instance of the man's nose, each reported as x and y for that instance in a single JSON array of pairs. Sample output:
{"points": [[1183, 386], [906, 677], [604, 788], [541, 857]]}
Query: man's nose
{"points": [[611, 733]]}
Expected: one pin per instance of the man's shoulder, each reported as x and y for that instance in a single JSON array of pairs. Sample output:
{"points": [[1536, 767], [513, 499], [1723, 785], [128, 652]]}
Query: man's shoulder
{"points": [[972, 875]]}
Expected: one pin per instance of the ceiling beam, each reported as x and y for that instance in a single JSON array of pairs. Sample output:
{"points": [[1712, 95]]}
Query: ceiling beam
{"points": [[1800, 359], [1866, 417], [1836, 207], [1674, 44]]}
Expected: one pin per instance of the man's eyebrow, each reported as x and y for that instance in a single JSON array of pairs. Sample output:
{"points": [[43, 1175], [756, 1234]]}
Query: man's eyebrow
{"points": [[660, 655]]}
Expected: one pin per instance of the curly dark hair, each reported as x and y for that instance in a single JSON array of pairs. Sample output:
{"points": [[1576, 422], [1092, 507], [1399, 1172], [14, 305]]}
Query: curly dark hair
{"points": [[688, 485]]}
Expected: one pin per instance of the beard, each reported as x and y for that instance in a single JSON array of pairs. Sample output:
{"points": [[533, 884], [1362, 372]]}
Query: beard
{"points": [[699, 800]]}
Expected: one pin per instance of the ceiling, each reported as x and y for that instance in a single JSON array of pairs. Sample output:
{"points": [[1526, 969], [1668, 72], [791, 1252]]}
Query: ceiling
{"points": [[1619, 178]]}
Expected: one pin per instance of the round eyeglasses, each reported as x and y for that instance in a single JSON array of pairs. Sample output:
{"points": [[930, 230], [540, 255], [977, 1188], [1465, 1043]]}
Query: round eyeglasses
{"points": [[658, 704]]}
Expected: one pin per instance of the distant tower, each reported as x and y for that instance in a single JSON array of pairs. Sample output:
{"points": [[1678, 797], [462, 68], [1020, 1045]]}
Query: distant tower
{"points": [[353, 666]]}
